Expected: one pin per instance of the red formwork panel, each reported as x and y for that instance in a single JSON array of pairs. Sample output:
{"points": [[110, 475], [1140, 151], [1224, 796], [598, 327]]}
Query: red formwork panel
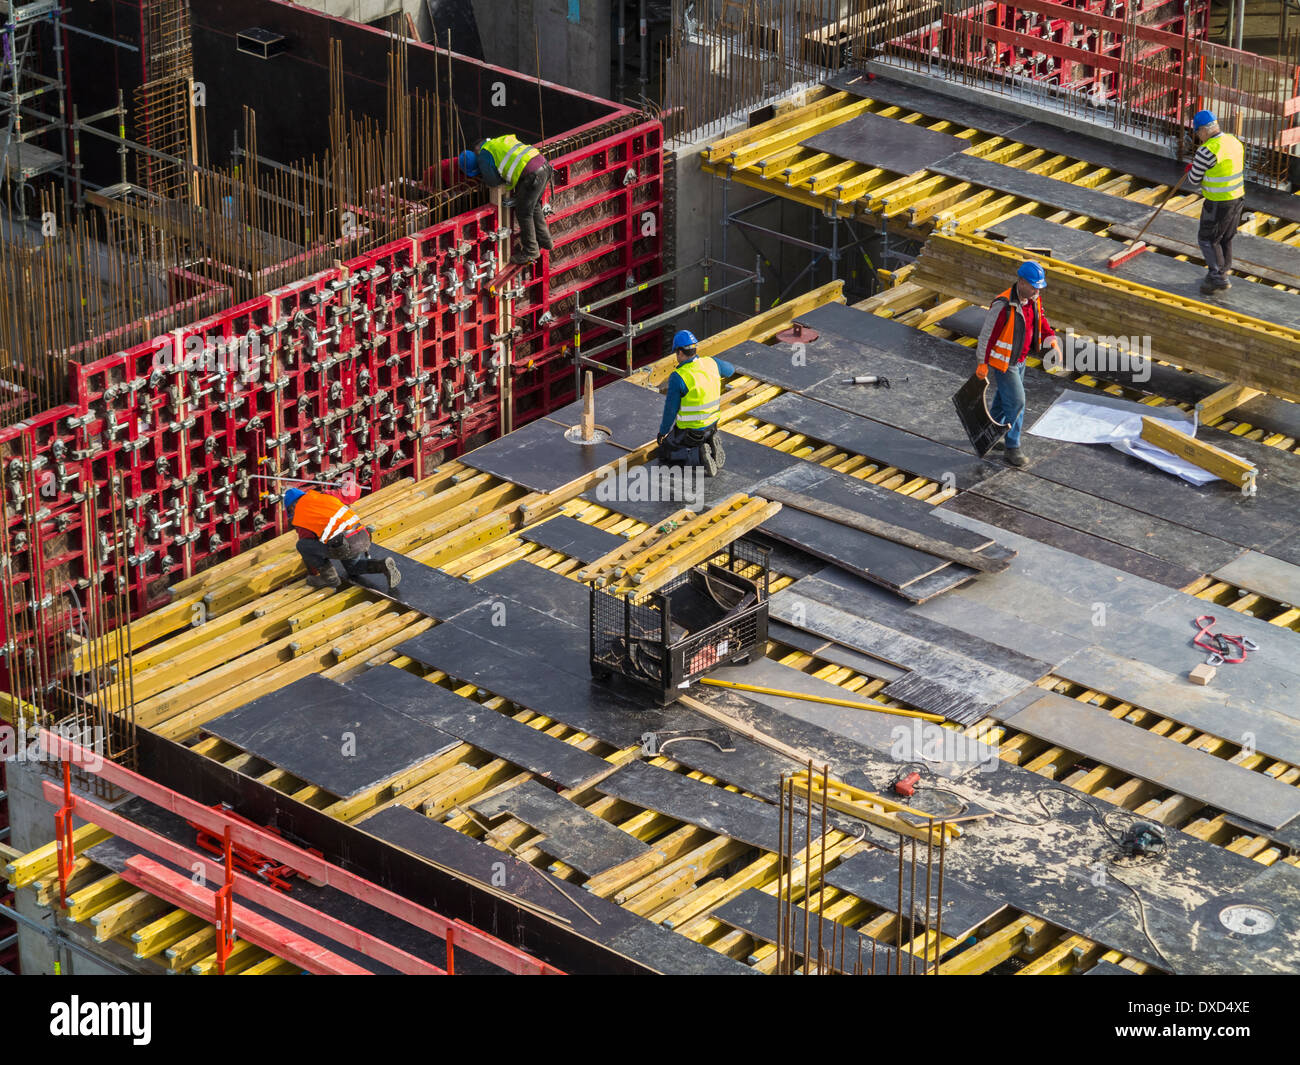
{"points": [[375, 369]]}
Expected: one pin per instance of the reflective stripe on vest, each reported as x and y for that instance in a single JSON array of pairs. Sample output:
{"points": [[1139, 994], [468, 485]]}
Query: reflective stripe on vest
{"points": [[323, 516], [1005, 348], [511, 155], [699, 407], [1226, 179]]}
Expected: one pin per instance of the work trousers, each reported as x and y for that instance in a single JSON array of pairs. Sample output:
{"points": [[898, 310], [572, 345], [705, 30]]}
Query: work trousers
{"points": [[1219, 221], [352, 552], [679, 443], [1008, 404], [533, 230]]}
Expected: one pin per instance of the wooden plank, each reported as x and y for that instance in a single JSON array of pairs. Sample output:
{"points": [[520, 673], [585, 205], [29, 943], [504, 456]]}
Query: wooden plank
{"points": [[865, 523], [1236, 471], [573, 834], [1264, 575], [1228, 398], [1091, 731]]}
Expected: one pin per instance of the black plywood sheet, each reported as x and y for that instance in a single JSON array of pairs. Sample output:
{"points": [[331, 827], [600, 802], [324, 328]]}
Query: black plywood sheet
{"points": [[1264, 574], [629, 411], [1109, 968], [330, 736], [1161, 272], [756, 913], [1090, 731], [542, 589], [522, 629], [1171, 695], [487, 729], [574, 538], [573, 834], [1041, 189], [538, 457], [933, 104], [423, 588], [1274, 260], [885, 444], [1109, 524], [704, 805], [873, 877], [658, 949], [792, 368], [1068, 538], [900, 147], [830, 651]]}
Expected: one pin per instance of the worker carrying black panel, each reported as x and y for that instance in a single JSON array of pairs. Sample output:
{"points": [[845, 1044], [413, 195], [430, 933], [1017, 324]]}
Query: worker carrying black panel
{"points": [[507, 161], [688, 432], [329, 531]]}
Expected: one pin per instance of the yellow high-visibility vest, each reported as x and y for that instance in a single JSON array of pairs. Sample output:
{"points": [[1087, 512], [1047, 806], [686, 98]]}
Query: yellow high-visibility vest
{"points": [[1226, 179], [510, 155], [699, 407]]}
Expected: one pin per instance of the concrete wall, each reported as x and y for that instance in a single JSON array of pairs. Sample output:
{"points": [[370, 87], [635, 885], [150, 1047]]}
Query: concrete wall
{"points": [[368, 10], [576, 54]]}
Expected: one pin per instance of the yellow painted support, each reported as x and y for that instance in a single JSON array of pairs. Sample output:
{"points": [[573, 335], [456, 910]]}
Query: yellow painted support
{"points": [[1236, 471], [879, 708]]}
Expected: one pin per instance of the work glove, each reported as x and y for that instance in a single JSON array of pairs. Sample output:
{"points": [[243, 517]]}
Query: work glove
{"points": [[982, 371]]}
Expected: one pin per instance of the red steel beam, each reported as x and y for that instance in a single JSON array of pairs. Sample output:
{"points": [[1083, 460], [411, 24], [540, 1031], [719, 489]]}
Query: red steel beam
{"points": [[475, 940], [148, 875], [1094, 21], [251, 889]]}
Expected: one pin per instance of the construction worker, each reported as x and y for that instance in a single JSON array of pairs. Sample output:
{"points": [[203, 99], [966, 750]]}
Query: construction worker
{"points": [[1218, 167], [1014, 327], [687, 433], [507, 161], [329, 529]]}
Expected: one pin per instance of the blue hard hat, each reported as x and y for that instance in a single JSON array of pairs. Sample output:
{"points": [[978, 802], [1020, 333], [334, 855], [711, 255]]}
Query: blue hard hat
{"points": [[1203, 118], [291, 497], [1033, 273], [469, 163], [684, 339]]}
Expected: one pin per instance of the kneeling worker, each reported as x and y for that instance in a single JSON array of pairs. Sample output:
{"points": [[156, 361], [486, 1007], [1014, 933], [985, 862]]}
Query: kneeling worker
{"points": [[507, 161], [690, 423], [1014, 328], [329, 529]]}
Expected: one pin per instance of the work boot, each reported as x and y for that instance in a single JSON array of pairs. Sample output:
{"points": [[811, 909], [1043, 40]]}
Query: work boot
{"points": [[520, 259], [327, 579], [708, 460], [1210, 286], [1016, 457], [394, 577], [719, 456]]}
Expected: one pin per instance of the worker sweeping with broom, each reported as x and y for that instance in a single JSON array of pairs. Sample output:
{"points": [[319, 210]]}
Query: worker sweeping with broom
{"points": [[328, 531], [1219, 168]]}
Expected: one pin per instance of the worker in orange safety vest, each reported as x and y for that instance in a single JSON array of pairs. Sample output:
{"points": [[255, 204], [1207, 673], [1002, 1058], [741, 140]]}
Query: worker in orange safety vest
{"points": [[1014, 328], [328, 531]]}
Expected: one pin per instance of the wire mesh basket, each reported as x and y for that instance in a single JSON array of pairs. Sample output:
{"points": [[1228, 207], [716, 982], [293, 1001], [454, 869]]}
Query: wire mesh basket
{"points": [[712, 615]]}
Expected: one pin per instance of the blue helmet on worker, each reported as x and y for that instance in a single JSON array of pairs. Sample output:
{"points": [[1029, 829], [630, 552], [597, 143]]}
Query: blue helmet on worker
{"points": [[291, 497], [684, 340], [1203, 118], [1032, 273], [468, 160]]}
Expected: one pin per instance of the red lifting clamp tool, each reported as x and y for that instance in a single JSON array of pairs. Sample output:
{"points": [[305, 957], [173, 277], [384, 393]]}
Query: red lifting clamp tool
{"points": [[905, 784]]}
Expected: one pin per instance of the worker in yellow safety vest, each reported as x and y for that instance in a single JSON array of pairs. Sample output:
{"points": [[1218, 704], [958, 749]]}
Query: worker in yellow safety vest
{"points": [[507, 161], [688, 432], [328, 529], [1219, 167]]}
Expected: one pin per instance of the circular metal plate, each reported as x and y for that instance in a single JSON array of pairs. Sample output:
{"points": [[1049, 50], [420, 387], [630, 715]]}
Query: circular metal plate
{"points": [[797, 334], [1247, 920]]}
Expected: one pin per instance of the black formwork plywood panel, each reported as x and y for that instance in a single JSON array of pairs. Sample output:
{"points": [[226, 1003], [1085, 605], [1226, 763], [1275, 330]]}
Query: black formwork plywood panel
{"points": [[1069, 538], [573, 834], [480, 726], [1161, 272], [573, 538], [1108, 525], [795, 368], [522, 629], [539, 458], [706, 806], [1041, 189], [830, 651], [330, 736], [425, 589], [757, 914], [629, 411], [964, 112], [1184, 770], [873, 877], [883, 443], [596, 919], [540, 588], [887, 143], [1264, 574]]}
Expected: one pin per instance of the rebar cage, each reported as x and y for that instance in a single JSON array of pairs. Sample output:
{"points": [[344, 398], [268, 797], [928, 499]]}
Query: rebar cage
{"points": [[663, 641]]}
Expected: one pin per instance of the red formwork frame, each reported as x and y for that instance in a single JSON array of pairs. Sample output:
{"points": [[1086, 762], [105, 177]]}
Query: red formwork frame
{"points": [[372, 370], [234, 829]]}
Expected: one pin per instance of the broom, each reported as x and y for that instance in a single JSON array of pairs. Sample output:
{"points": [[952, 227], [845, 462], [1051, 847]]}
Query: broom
{"points": [[1137, 247]]}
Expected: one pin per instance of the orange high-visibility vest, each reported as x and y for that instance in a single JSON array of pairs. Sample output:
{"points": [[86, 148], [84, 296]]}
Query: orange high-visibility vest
{"points": [[1005, 348], [324, 516]]}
